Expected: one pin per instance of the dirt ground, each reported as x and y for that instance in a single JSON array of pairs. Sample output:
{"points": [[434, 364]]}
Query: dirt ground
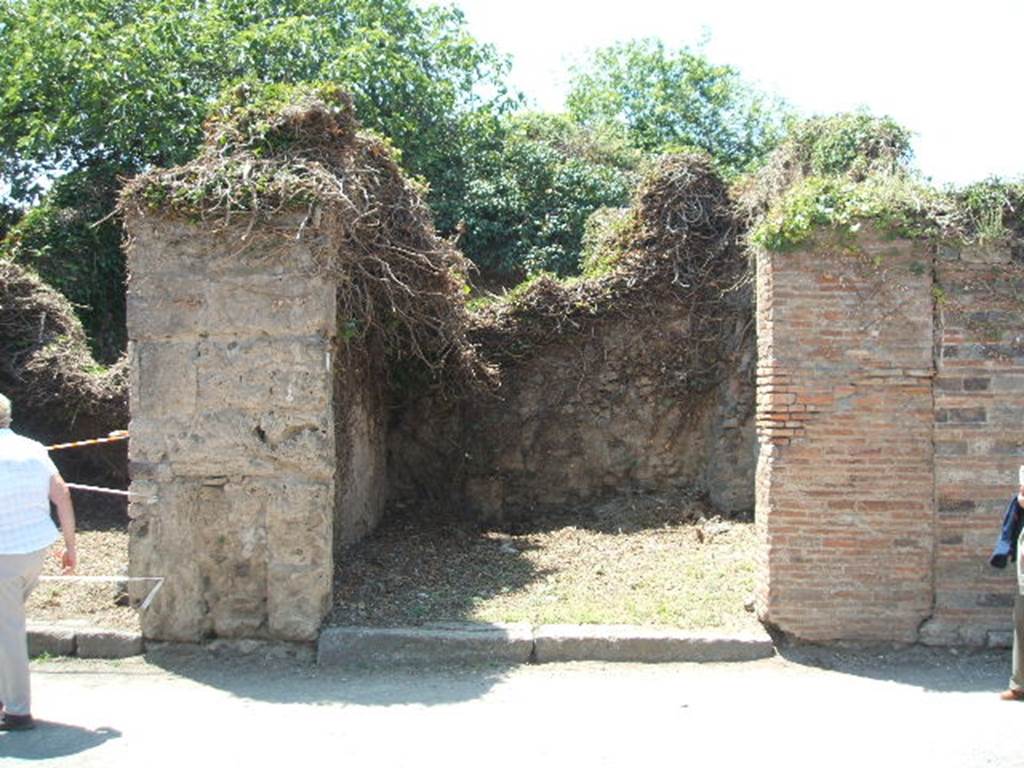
{"points": [[102, 551], [634, 560]]}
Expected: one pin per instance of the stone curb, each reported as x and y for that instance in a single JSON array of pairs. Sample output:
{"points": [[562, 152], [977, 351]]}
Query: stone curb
{"points": [[455, 644], [366, 646], [570, 642], [84, 642], [520, 643]]}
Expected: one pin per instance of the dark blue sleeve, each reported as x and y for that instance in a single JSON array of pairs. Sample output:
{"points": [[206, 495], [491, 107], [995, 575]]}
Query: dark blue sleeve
{"points": [[1006, 545]]}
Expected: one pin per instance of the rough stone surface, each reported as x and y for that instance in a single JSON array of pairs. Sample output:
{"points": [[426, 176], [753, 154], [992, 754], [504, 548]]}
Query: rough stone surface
{"points": [[364, 646], [107, 644], [890, 399], [252, 429], [52, 641], [554, 643], [586, 417]]}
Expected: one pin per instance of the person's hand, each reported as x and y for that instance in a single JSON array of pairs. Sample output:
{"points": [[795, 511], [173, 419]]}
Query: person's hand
{"points": [[68, 561]]}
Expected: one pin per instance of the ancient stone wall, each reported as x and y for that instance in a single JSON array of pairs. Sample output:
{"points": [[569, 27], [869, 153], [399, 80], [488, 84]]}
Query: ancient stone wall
{"points": [[235, 395], [887, 451], [589, 416]]}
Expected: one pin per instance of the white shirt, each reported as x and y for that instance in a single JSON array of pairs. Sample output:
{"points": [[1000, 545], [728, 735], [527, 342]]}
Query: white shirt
{"points": [[25, 472]]}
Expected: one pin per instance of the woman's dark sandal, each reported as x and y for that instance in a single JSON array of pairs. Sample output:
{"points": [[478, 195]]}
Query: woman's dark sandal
{"points": [[1012, 694], [17, 723]]}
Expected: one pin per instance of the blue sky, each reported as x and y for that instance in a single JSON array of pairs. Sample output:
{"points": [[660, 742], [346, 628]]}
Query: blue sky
{"points": [[949, 71]]}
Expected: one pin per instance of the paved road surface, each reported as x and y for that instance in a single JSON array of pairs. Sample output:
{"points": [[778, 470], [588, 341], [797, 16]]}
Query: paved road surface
{"points": [[809, 708]]}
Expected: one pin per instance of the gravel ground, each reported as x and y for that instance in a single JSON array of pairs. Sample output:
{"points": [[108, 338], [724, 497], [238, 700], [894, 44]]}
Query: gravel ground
{"points": [[639, 560], [102, 551]]}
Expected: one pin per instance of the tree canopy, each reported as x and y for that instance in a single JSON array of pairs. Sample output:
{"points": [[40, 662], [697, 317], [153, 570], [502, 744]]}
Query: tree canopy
{"points": [[130, 81], [679, 99], [531, 191], [97, 90]]}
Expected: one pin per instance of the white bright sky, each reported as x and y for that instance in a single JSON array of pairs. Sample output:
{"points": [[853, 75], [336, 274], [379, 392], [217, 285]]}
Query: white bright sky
{"points": [[950, 71]]}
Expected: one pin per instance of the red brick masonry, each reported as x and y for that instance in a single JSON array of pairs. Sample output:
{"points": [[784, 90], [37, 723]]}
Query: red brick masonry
{"points": [[890, 414]]}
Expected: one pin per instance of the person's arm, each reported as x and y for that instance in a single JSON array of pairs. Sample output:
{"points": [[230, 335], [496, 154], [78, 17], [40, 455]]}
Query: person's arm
{"points": [[61, 498], [1006, 544]]}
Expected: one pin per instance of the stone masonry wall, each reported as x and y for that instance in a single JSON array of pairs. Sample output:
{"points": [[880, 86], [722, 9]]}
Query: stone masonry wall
{"points": [[890, 399], [233, 435], [582, 419]]}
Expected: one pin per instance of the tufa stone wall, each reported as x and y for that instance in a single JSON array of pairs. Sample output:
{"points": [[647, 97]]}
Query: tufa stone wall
{"points": [[588, 416], [887, 452], [247, 427]]}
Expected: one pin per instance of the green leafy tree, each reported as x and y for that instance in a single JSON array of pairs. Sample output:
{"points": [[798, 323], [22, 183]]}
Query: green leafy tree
{"points": [[668, 100], [71, 240], [532, 190], [9, 215], [131, 80], [126, 84]]}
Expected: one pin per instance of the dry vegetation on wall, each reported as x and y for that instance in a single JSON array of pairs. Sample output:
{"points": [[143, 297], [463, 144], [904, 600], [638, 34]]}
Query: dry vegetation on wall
{"points": [[677, 243], [278, 149], [46, 368]]}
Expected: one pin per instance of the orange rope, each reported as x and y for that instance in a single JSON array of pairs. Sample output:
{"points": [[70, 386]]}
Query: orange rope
{"points": [[113, 437]]}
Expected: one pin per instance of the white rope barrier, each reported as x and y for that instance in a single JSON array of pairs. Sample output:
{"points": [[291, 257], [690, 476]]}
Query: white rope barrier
{"points": [[112, 492]]}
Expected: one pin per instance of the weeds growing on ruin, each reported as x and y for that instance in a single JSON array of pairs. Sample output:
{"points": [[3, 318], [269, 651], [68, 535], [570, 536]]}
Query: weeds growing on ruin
{"points": [[287, 149]]}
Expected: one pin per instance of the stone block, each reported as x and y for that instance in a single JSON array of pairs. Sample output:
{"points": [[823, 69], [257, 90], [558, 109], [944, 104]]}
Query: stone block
{"points": [[453, 644], [263, 373], [999, 639], [979, 253], [50, 640], [231, 555], [298, 598], [108, 644], [164, 381], [228, 442], [176, 246], [298, 520], [170, 306], [556, 643], [161, 542]]}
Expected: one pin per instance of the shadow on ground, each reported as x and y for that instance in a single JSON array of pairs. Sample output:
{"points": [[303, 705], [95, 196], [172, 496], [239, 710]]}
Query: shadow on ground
{"points": [[286, 675], [946, 670], [422, 566], [52, 740]]}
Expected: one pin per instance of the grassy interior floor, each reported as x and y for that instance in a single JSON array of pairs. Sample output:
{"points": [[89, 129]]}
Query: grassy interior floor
{"points": [[637, 560]]}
